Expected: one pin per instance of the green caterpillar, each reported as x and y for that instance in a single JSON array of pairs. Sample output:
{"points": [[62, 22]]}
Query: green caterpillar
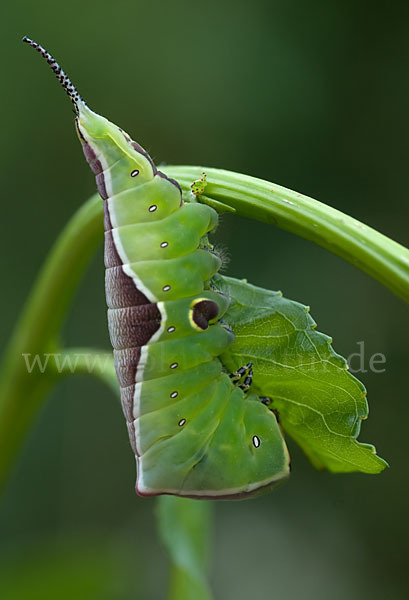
{"points": [[195, 430]]}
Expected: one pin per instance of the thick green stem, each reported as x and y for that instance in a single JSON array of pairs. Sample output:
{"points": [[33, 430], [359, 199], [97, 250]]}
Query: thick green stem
{"points": [[22, 392], [185, 529], [379, 256], [86, 361]]}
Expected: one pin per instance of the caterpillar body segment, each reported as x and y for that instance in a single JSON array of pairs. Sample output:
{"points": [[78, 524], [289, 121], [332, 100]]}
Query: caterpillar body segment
{"points": [[193, 430]]}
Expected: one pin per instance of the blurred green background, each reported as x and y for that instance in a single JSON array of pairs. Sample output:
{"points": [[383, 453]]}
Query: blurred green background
{"points": [[313, 96]]}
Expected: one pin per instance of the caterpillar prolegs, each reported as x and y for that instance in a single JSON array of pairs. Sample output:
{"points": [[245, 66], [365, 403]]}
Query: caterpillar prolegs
{"points": [[194, 430]]}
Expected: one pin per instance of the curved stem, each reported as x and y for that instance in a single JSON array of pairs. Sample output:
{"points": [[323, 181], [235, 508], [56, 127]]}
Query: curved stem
{"points": [[22, 391], [86, 361], [185, 529], [379, 256]]}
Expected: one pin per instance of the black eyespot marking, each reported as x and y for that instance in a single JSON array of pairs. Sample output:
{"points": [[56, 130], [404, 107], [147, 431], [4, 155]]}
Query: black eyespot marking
{"points": [[166, 288], [153, 208], [256, 441], [174, 365], [174, 394], [164, 244], [182, 422], [135, 172], [203, 312], [171, 329]]}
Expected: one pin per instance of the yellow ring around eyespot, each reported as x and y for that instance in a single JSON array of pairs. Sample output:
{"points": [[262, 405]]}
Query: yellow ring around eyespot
{"points": [[190, 315]]}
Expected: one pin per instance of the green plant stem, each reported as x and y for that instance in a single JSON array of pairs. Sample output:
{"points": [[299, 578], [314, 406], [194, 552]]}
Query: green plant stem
{"points": [[37, 331], [379, 256], [185, 529], [87, 361]]}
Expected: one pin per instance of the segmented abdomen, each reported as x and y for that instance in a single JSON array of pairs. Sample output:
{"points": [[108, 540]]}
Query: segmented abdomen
{"points": [[158, 311], [193, 432]]}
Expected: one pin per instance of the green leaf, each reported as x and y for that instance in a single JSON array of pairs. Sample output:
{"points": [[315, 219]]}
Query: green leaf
{"points": [[184, 527], [321, 405]]}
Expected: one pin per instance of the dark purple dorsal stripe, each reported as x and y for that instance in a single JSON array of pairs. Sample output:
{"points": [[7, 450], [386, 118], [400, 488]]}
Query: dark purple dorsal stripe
{"points": [[127, 398], [133, 326], [111, 256], [91, 157], [132, 439], [121, 291], [139, 149], [160, 174], [100, 179], [126, 363], [94, 163], [107, 218]]}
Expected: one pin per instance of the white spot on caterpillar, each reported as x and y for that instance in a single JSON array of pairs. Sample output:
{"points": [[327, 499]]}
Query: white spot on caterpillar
{"points": [[153, 208], [174, 394], [171, 329], [182, 422], [166, 288], [174, 365], [256, 441], [135, 173], [164, 244]]}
